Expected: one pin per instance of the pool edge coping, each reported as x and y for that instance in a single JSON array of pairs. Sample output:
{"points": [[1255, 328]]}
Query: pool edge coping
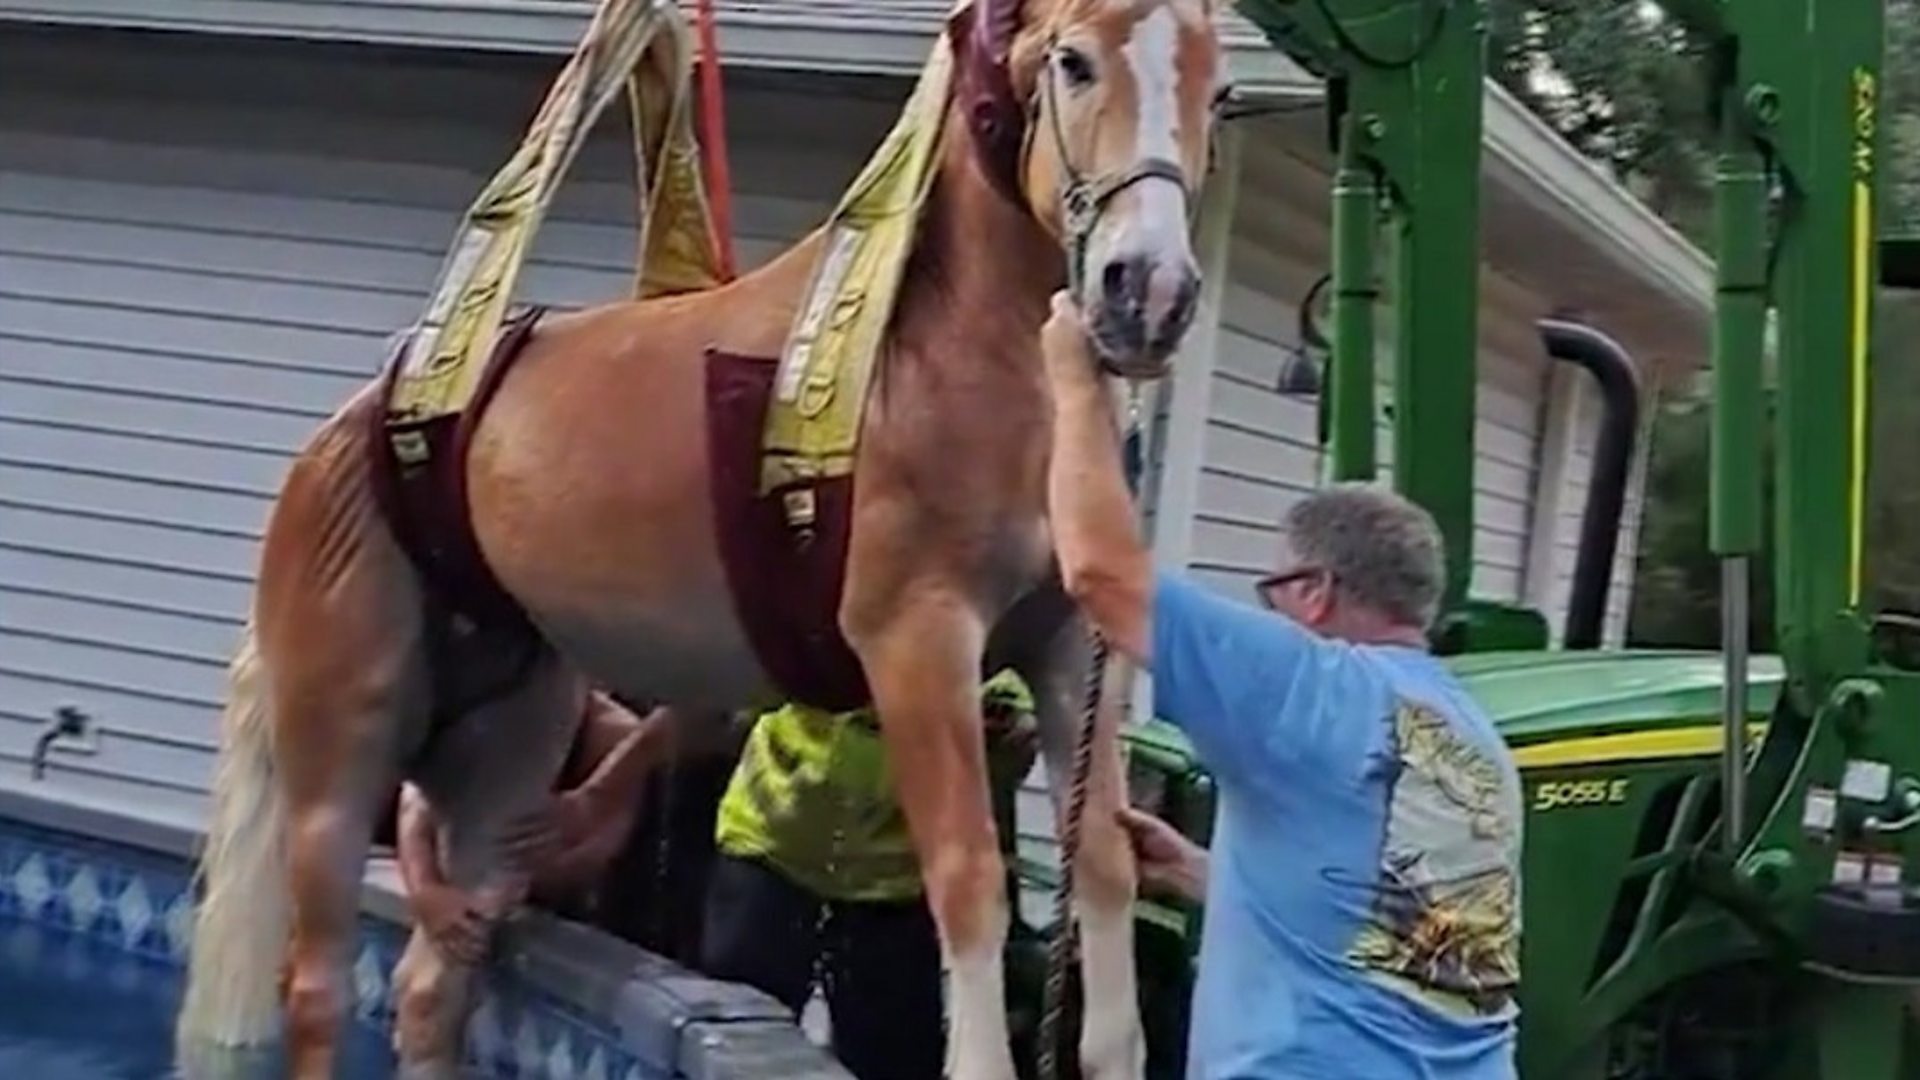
{"points": [[669, 1016]]}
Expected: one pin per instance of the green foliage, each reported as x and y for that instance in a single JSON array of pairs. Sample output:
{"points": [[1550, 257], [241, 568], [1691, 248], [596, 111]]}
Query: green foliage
{"points": [[1676, 595], [1626, 86], [1893, 537], [1677, 591], [1622, 83]]}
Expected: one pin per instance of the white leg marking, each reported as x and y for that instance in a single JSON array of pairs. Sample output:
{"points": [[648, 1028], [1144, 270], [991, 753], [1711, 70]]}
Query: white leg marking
{"points": [[1112, 1044], [977, 1037]]}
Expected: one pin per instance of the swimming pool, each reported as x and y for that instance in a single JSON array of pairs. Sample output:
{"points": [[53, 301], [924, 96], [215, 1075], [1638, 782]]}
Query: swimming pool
{"points": [[73, 1007], [94, 936]]}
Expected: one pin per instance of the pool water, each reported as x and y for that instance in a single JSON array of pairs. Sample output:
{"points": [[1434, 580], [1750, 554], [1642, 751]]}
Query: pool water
{"points": [[75, 1008], [94, 937]]}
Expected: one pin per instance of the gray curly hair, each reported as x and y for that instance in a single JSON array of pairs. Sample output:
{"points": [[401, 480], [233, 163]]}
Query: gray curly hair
{"points": [[1383, 549]]}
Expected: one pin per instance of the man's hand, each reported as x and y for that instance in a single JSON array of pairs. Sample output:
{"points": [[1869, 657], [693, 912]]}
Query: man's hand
{"points": [[455, 921], [570, 840], [532, 842], [1069, 356], [1168, 861]]}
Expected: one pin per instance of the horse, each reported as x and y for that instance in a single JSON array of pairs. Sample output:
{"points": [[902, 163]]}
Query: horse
{"points": [[1079, 134]]}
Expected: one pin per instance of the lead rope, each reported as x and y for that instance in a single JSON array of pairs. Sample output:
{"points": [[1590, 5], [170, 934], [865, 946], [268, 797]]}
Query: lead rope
{"points": [[1060, 946]]}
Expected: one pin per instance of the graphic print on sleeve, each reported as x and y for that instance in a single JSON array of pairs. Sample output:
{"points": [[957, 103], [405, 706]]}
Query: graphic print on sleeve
{"points": [[1445, 920]]}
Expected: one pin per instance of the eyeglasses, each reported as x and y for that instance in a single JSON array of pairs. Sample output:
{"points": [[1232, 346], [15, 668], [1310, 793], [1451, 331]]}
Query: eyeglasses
{"points": [[1267, 586]]}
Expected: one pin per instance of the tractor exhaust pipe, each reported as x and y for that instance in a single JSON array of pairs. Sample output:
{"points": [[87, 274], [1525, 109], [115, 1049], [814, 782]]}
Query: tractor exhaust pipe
{"points": [[1619, 381]]}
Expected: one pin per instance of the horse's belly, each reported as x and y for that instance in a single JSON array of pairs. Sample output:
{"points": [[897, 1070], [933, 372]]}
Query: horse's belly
{"points": [[588, 481], [696, 659]]}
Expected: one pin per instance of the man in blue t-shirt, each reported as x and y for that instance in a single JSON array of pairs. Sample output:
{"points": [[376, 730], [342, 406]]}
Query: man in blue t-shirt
{"points": [[1363, 892]]}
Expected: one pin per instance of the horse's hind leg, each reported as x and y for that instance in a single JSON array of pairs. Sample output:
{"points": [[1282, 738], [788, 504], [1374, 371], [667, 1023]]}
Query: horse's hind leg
{"points": [[922, 660], [338, 615], [495, 765]]}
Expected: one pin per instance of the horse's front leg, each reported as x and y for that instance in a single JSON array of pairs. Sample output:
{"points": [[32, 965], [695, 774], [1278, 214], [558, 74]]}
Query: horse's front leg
{"points": [[922, 658], [1112, 1042]]}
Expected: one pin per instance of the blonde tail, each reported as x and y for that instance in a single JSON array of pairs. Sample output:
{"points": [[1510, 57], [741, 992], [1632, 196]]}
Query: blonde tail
{"points": [[240, 934]]}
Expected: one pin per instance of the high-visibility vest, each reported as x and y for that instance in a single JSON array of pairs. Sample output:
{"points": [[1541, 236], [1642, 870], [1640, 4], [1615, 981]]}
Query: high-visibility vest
{"points": [[814, 798]]}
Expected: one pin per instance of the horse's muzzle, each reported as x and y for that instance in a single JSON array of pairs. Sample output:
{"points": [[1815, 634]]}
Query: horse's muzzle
{"points": [[1143, 310]]}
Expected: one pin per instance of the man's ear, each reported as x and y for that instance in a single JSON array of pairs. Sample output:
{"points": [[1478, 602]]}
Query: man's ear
{"points": [[1320, 604]]}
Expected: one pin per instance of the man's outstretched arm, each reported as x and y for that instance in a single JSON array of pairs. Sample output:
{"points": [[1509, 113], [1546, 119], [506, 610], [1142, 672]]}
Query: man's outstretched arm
{"points": [[1222, 671], [1103, 564]]}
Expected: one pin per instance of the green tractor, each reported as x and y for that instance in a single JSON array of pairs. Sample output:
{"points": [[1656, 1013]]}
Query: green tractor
{"points": [[1720, 879]]}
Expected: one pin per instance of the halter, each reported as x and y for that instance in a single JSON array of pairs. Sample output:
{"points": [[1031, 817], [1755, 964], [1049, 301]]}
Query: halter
{"points": [[1003, 129], [1083, 199]]}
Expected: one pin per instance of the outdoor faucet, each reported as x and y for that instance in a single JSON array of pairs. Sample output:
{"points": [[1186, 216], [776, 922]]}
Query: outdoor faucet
{"points": [[68, 723]]}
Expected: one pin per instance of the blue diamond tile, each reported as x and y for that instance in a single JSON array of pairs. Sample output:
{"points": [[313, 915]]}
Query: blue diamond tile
{"points": [[33, 885], [144, 908], [84, 898]]}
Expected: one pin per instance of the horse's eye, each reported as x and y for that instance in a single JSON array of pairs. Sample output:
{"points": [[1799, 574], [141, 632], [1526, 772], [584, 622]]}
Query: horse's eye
{"points": [[1074, 65]]}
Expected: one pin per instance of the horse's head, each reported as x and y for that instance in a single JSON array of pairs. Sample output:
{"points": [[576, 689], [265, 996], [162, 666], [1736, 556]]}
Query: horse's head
{"points": [[1098, 115]]}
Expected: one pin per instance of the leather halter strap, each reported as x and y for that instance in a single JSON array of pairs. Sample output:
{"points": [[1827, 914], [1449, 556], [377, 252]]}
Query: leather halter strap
{"points": [[1084, 198], [1002, 127]]}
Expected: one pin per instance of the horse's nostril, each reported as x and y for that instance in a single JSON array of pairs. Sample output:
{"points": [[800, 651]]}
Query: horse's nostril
{"points": [[1181, 311], [1117, 277]]}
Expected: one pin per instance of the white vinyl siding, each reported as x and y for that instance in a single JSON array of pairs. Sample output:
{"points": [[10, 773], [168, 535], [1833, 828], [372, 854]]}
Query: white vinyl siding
{"points": [[192, 278], [1261, 453], [1584, 417]]}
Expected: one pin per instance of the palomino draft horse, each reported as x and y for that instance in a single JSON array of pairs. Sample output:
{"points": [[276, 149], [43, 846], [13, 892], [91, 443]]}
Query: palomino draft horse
{"points": [[1079, 128]]}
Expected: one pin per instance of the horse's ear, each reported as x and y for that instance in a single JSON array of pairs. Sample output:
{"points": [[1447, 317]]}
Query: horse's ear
{"points": [[982, 34], [999, 25]]}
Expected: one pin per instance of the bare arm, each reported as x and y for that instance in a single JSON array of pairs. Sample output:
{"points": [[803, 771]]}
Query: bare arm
{"points": [[417, 843], [451, 918], [571, 840], [1168, 861], [621, 748], [1104, 565]]}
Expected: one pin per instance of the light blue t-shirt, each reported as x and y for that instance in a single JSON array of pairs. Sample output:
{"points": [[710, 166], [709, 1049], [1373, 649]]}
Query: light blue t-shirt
{"points": [[1363, 908]]}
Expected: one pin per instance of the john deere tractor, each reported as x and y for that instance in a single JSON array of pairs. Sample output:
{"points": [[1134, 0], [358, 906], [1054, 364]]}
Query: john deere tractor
{"points": [[1719, 873]]}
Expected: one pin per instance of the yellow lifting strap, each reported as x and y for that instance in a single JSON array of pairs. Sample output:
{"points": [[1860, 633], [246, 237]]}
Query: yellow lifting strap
{"points": [[645, 46], [820, 392]]}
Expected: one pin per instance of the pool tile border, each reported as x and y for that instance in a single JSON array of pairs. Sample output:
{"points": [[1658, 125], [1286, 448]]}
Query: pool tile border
{"points": [[562, 1002]]}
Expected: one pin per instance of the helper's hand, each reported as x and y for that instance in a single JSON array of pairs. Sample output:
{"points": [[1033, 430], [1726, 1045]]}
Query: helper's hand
{"points": [[571, 840], [458, 923], [1168, 861], [1013, 731], [1068, 353], [533, 842]]}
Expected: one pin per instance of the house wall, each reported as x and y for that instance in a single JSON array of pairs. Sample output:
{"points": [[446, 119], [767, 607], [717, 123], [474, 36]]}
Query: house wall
{"points": [[192, 278], [1261, 450], [1574, 403]]}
